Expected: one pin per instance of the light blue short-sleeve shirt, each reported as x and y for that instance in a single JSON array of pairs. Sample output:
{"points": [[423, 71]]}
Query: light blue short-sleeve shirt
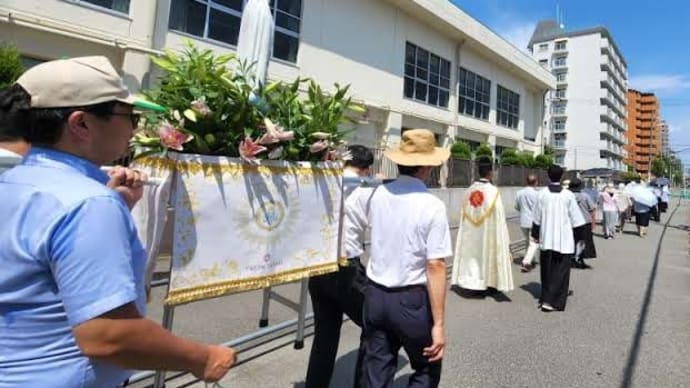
{"points": [[69, 252]]}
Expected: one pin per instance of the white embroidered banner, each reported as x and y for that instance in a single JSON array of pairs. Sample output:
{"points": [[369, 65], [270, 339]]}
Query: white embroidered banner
{"points": [[240, 227]]}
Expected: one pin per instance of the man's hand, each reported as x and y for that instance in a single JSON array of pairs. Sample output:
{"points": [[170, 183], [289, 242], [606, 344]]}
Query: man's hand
{"points": [[128, 183], [220, 360], [438, 344]]}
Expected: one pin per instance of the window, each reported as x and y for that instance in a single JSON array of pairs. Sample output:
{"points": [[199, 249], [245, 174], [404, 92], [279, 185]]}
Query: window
{"points": [[220, 20], [561, 76], [544, 62], [507, 107], [543, 47], [427, 76], [115, 5], [475, 95], [559, 93], [559, 61], [559, 125], [560, 45], [559, 160]]}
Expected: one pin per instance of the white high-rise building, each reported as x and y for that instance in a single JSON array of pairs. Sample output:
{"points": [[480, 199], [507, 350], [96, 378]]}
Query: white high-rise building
{"points": [[665, 145], [585, 117]]}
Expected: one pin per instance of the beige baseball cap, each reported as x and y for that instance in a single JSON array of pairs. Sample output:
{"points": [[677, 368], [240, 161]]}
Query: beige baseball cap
{"points": [[77, 82]]}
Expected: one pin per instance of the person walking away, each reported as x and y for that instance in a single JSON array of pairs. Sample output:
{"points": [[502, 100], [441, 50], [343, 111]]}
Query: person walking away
{"points": [[664, 199], [609, 208], [410, 239], [643, 214], [656, 210], [338, 293], [556, 215], [524, 204], [624, 204], [584, 241], [72, 289], [482, 251]]}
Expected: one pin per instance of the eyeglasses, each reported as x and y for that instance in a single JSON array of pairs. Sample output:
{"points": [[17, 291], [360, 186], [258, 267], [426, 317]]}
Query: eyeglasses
{"points": [[134, 117]]}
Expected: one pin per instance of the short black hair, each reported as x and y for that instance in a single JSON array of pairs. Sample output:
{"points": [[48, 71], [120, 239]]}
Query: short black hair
{"points": [[408, 170], [42, 126], [362, 157], [555, 173], [484, 166]]}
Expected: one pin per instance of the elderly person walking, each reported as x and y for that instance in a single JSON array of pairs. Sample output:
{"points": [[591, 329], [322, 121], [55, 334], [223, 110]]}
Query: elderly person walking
{"points": [[609, 208], [584, 242], [624, 203]]}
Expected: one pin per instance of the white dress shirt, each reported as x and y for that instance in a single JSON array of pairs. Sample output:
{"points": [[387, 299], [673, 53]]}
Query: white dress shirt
{"points": [[524, 203], [557, 213], [409, 226]]}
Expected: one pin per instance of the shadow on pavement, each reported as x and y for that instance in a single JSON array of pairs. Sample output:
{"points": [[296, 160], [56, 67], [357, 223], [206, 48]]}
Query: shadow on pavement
{"points": [[344, 372], [533, 288]]}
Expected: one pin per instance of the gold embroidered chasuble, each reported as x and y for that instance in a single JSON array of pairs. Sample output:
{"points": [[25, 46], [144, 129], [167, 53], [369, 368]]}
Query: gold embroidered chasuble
{"points": [[482, 253]]}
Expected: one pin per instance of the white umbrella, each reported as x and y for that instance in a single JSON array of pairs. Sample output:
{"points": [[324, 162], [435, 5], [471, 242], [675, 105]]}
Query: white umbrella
{"points": [[256, 37], [643, 195]]}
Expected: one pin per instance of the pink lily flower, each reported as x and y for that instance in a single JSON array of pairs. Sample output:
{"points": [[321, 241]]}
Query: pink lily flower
{"points": [[171, 137], [318, 146], [275, 134], [200, 107], [249, 149]]}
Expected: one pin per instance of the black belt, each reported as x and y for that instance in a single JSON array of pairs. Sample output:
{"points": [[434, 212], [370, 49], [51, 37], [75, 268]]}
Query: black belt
{"points": [[398, 289]]}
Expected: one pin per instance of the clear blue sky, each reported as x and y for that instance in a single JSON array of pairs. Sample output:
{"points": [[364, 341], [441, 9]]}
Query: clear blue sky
{"points": [[653, 35]]}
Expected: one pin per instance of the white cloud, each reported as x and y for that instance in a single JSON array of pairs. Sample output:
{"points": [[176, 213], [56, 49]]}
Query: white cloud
{"points": [[660, 82], [518, 33]]}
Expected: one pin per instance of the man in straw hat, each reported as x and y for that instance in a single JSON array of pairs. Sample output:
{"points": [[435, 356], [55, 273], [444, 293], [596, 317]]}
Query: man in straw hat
{"points": [[410, 239], [72, 295], [482, 252]]}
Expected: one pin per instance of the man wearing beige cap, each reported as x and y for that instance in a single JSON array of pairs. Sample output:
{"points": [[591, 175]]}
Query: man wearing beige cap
{"points": [[410, 239], [72, 299]]}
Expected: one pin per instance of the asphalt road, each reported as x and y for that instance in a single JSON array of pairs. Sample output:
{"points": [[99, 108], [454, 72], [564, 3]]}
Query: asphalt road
{"points": [[627, 324]]}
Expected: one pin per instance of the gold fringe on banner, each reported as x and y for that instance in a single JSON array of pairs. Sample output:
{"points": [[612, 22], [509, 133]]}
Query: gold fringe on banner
{"points": [[213, 290]]}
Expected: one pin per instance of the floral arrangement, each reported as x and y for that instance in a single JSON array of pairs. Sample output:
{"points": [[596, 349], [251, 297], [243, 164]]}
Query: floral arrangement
{"points": [[213, 109]]}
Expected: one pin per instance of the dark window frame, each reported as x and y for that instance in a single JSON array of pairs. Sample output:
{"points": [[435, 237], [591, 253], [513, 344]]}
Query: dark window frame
{"points": [[111, 8], [507, 107], [286, 30], [426, 76], [474, 95]]}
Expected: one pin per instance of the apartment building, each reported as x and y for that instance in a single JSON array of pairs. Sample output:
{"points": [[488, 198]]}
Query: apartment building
{"points": [[665, 145], [644, 131], [412, 63], [585, 115]]}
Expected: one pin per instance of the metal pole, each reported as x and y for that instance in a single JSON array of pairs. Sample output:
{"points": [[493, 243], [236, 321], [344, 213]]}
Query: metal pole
{"points": [[263, 321], [302, 314]]}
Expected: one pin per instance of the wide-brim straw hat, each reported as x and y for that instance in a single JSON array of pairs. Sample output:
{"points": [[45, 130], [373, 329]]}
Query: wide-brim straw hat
{"points": [[418, 148]]}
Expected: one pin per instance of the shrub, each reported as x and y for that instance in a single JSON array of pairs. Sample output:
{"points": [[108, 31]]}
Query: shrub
{"points": [[10, 65], [461, 150]]}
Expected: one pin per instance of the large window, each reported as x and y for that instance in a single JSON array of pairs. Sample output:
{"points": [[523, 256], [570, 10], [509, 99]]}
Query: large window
{"points": [[115, 5], [560, 61], [220, 20], [560, 45], [475, 95], [507, 107], [427, 76]]}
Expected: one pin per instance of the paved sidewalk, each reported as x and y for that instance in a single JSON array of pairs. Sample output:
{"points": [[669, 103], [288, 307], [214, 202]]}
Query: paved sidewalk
{"points": [[627, 324]]}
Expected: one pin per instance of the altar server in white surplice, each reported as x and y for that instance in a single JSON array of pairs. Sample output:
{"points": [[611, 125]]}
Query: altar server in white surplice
{"points": [[482, 255], [555, 216]]}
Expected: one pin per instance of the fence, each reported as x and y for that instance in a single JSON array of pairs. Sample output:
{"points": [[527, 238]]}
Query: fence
{"points": [[461, 173]]}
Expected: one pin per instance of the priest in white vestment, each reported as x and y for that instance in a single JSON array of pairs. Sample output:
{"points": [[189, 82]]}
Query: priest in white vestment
{"points": [[556, 214], [482, 253]]}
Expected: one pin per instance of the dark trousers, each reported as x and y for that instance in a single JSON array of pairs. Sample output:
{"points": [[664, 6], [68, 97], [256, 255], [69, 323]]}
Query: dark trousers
{"points": [[333, 295], [395, 318], [555, 278]]}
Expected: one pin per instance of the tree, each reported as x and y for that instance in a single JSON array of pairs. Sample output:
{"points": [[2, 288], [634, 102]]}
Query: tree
{"points": [[658, 167], [510, 158], [461, 150], [10, 65]]}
